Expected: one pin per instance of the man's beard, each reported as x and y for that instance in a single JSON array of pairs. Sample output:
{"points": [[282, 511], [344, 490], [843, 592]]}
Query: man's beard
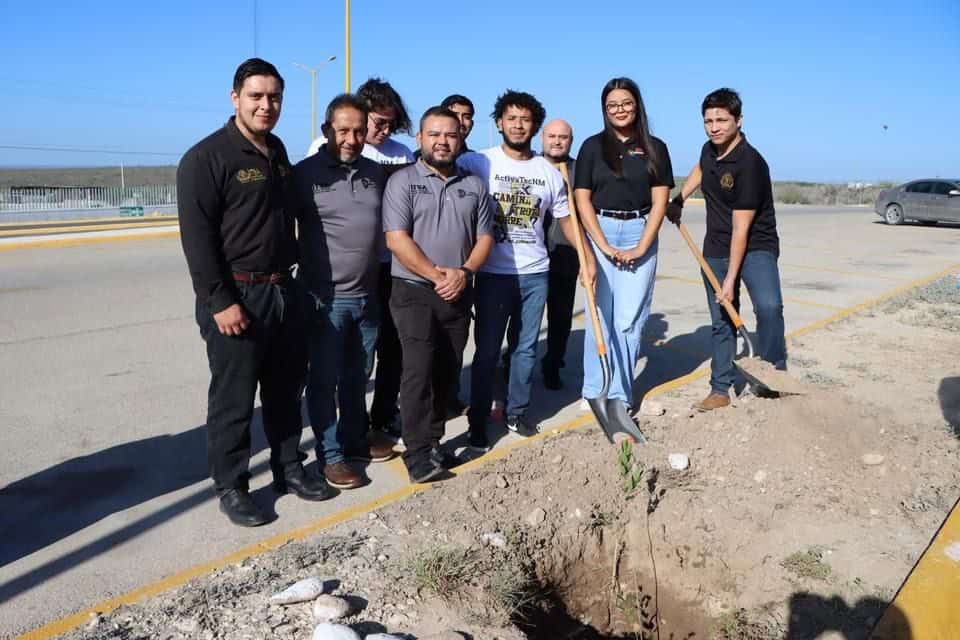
{"points": [[516, 146], [432, 160], [564, 158]]}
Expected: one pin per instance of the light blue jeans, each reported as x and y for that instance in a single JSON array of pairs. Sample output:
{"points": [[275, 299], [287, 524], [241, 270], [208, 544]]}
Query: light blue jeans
{"points": [[624, 295]]}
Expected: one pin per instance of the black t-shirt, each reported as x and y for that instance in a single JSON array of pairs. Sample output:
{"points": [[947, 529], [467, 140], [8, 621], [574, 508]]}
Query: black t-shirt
{"points": [[629, 191], [741, 180]]}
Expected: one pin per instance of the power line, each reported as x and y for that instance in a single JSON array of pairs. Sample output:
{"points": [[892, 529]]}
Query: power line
{"points": [[29, 147]]}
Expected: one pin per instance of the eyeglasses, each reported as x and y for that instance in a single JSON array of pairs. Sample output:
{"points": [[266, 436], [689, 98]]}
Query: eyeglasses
{"points": [[381, 123], [626, 105]]}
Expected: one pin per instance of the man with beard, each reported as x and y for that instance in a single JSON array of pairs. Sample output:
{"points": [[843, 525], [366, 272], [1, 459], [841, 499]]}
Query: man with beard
{"points": [[237, 209], [437, 220], [512, 285], [340, 232], [557, 139]]}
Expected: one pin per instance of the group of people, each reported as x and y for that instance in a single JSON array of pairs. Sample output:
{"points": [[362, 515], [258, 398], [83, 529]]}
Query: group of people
{"points": [[365, 252]]}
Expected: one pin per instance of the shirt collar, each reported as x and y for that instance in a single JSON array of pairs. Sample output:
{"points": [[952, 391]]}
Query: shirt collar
{"points": [[241, 141], [734, 154], [425, 172]]}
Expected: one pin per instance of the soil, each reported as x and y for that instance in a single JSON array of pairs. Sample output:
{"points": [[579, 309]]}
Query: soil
{"points": [[798, 516]]}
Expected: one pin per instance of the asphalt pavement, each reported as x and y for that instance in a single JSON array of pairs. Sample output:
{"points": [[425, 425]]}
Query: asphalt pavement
{"points": [[103, 484]]}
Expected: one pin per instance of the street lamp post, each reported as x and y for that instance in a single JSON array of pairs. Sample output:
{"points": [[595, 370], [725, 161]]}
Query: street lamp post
{"points": [[313, 89]]}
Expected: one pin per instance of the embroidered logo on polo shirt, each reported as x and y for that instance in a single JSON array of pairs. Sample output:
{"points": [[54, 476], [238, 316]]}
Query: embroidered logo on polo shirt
{"points": [[416, 189], [283, 170], [323, 188], [368, 182], [637, 151], [463, 193], [726, 181], [246, 176]]}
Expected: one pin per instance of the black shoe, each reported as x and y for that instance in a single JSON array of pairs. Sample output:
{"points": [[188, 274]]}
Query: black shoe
{"points": [[241, 509], [425, 470], [445, 459], [302, 485], [477, 440], [551, 378], [521, 426]]}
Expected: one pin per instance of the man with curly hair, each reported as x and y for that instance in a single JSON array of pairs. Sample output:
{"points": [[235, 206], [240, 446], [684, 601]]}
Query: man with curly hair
{"points": [[512, 284]]}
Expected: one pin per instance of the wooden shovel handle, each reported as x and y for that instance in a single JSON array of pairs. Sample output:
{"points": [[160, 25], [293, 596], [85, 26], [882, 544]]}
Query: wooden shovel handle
{"points": [[711, 276], [582, 257]]}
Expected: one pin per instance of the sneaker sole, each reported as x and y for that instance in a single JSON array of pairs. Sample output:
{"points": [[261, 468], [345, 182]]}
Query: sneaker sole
{"points": [[346, 485], [433, 475]]}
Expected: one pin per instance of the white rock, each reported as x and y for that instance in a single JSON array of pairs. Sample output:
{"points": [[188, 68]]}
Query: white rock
{"points": [[536, 517], [557, 459], [382, 636], [327, 608], [495, 539], [651, 408], [679, 461], [302, 591], [502, 482], [872, 459], [327, 631], [760, 476]]}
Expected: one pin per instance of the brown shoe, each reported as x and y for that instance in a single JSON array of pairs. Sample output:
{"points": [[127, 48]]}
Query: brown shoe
{"points": [[713, 401], [342, 476], [377, 450]]}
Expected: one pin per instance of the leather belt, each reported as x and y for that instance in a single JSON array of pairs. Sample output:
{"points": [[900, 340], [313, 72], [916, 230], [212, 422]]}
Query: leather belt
{"points": [[623, 215], [260, 278]]}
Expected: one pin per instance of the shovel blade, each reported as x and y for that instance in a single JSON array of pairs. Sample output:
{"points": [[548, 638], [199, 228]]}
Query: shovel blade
{"points": [[766, 380], [622, 422], [598, 406]]}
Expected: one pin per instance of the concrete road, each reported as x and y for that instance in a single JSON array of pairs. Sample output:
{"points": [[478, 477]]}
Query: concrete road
{"points": [[103, 484]]}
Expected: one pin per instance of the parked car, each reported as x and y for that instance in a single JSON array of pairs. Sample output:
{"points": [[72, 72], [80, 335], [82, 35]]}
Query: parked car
{"points": [[929, 201]]}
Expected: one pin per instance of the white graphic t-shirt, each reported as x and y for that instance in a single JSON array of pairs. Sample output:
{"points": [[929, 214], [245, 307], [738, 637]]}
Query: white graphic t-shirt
{"points": [[523, 190], [388, 152]]}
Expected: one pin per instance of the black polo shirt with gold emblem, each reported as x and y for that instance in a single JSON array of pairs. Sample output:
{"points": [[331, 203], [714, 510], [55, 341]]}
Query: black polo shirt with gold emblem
{"points": [[738, 181], [237, 210], [630, 190]]}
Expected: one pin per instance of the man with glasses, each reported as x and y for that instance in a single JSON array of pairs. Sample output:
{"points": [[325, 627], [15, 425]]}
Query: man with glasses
{"points": [[387, 115]]}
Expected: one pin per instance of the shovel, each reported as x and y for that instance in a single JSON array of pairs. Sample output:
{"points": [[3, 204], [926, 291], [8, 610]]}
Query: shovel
{"points": [[612, 422], [763, 377]]}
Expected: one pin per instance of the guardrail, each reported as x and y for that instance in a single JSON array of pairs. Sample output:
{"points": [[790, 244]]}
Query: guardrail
{"points": [[129, 201]]}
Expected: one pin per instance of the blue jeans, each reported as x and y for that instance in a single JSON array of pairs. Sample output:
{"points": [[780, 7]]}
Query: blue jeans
{"points": [[759, 272], [342, 336], [500, 299], [624, 295]]}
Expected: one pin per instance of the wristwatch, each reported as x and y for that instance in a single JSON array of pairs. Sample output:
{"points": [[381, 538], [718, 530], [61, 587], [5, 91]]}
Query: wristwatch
{"points": [[467, 272]]}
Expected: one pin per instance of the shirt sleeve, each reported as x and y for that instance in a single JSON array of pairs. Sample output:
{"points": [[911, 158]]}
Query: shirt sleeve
{"points": [[397, 204], [561, 204], [749, 185], [200, 212], [664, 167], [484, 211], [584, 166]]}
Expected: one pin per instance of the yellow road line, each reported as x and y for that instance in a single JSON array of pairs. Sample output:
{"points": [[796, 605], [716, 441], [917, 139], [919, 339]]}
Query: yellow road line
{"points": [[69, 242], [72, 221], [29, 233], [926, 605], [67, 623]]}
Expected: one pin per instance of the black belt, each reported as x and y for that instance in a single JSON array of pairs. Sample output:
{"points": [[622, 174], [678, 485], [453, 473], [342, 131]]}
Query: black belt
{"points": [[260, 278], [418, 283], [624, 215]]}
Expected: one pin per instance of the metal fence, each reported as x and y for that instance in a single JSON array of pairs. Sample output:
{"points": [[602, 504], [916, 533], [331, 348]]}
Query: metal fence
{"points": [[61, 198]]}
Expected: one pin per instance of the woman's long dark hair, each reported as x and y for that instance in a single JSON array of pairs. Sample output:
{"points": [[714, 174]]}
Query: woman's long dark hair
{"points": [[641, 129]]}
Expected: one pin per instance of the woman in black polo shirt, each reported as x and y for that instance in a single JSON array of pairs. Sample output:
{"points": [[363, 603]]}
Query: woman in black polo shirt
{"points": [[623, 180]]}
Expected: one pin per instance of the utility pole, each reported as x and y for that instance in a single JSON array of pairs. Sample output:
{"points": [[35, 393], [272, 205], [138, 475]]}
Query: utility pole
{"points": [[313, 92], [347, 48]]}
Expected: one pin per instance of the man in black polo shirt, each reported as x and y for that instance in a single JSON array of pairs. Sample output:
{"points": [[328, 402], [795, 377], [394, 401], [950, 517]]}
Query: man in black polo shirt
{"points": [[741, 240], [237, 210]]}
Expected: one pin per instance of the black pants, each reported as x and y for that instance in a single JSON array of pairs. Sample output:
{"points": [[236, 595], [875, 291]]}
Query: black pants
{"points": [[271, 352], [433, 334], [564, 269], [389, 355]]}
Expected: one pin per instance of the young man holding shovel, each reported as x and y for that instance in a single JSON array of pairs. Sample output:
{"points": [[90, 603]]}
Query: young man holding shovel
{"points": [[741, 240]]}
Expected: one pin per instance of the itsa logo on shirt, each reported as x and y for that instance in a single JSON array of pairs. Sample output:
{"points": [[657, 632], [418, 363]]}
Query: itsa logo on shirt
{"points": [[518, 208], [419, 189], [246, 176], [323, 188]]}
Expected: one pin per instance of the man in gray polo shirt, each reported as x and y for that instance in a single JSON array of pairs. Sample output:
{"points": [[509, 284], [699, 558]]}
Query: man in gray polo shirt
{"points": [[340, 232], [438, 224]]}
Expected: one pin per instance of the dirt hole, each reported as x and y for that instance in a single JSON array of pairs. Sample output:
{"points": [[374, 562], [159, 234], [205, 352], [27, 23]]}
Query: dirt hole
{"points": [[601, 586]]}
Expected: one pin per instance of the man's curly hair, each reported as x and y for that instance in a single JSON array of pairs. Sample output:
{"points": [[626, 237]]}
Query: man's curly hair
{"points": [[522, 100]]}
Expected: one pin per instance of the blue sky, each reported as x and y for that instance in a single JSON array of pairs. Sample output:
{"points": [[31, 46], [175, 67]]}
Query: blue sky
{"points": [[819, 79]]}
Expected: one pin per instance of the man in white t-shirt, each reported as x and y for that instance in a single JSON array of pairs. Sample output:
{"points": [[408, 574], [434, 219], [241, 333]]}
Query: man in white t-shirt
{"points": [[387, 115], [512, 284]]}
